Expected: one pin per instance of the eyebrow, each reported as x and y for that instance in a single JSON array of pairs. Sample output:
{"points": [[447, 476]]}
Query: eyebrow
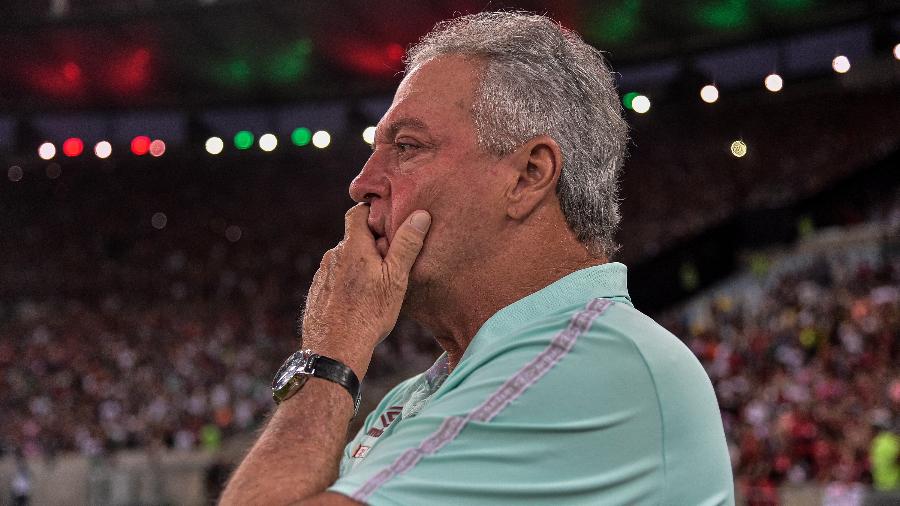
{"points": [[397, 125]]}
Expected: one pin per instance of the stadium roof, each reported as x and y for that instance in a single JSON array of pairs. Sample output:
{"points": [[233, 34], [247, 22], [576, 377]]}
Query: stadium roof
{"points": [[89, 54]]}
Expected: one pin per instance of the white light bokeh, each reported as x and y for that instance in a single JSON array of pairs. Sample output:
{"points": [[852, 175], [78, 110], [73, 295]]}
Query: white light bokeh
{"points": [[841, 64], [321, 139], [268, 142], [157, 148], [103, 149], [640, 104], [369, 135], [214, 145], [47, 151], [774, 83], [709, 93]]}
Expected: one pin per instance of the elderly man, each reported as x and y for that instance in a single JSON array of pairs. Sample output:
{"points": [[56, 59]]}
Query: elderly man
{"points": [[486, 212]]}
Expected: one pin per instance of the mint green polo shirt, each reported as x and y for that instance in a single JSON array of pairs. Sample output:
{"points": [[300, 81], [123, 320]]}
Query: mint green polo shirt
{"points": [[567, 396]]}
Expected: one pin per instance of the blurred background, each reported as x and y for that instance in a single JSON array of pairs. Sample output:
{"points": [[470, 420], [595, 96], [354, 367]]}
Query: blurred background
{"points": [[171, 172]]}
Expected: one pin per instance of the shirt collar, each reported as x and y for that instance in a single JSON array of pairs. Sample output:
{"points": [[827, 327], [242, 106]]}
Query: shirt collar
{"points": [[607, 281]]}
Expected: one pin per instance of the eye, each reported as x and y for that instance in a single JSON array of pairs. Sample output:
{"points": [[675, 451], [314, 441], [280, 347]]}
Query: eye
{"points": [[405, 147]]}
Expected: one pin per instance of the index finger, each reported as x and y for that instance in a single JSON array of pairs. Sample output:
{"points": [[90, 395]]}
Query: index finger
{"points": [[356, 228], [356, 219]]}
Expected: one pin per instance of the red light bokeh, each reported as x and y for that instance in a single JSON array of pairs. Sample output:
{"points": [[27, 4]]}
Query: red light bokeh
{"points": [[73, 146], [140, 145]]}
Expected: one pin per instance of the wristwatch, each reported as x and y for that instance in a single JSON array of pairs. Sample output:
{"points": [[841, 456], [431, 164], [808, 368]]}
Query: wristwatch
{"points": [[302, 364]]}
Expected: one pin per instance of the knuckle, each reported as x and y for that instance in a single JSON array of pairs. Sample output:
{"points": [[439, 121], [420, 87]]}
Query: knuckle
{"points": [[410, 242], [398, 281], [352, 211], [325, 259]]}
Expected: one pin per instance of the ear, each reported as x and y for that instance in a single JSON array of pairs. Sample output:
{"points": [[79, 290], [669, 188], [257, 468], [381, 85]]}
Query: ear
{"points": [[535, 169]]}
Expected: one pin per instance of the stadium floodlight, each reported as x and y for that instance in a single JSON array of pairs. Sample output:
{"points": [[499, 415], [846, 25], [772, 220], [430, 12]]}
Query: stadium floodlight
{"points": [[47, 151], [214, 145], [103, 149], [321, 139], [709, 93], [368, 135], [841, 64], [268, 142], [640, 104], [774, 82]]}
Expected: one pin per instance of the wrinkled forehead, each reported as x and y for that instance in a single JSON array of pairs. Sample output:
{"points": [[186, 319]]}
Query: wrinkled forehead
{"points": [[439, 91]]}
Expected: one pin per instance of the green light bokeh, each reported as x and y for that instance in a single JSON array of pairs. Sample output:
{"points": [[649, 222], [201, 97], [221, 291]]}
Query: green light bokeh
{"points": [[243, 139], [628, 98], [290, 64], [724, 14], [233, 73], [301, 136], [789, 5], [247, 66], [616, 23]]}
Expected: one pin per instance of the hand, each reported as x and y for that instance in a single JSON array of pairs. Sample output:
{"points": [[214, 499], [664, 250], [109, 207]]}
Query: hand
{"points": [[355, 296]]}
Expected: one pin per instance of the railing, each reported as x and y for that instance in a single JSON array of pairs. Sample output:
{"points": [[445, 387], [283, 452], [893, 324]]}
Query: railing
{"points": [[194, 478]]}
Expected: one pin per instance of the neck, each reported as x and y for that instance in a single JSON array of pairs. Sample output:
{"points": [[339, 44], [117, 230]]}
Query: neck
{"points": [[455, 311]]}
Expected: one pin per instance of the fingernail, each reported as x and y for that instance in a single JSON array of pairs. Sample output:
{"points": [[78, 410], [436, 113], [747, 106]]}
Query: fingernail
{"points": [[421, 220]]}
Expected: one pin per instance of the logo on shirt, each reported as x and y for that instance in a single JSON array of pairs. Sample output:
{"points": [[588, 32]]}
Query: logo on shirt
{"points": [[386, 419]]}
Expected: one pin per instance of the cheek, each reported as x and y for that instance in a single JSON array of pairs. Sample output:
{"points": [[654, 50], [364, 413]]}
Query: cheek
{"points": [[406, 198]]}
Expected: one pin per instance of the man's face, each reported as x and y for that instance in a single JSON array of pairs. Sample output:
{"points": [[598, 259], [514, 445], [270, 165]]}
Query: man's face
{"points": [[426, 157]]}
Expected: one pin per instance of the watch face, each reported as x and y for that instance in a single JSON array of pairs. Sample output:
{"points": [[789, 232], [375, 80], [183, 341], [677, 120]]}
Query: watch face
{"points": [[294, 364]]}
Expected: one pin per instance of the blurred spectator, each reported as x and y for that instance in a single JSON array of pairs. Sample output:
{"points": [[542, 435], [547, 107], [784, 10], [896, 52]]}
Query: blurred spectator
{"points": [[21, 482], [885, 458]]}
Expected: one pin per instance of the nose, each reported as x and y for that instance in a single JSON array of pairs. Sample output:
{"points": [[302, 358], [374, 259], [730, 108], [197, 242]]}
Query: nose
{"points": [[371, 182]]}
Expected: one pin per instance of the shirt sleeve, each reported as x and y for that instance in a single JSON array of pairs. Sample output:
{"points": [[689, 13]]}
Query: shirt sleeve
{"points": [[532, 422]]}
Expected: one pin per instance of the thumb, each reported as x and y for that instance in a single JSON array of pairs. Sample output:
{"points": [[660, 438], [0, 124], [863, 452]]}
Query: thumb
{"points": [[407, 243]]}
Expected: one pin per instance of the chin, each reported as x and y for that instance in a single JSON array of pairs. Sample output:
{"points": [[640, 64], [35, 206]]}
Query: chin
{"points": [[417, 289]]}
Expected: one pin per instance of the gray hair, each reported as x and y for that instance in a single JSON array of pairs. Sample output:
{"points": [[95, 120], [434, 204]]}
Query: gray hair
{"points": [[540, 78]]}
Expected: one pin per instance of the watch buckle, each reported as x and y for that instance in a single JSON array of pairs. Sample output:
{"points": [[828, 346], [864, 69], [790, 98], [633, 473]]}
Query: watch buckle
{"points": [[309, 367]]}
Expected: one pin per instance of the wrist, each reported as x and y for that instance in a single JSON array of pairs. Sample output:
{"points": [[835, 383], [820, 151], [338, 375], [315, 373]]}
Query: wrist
{"points": [[348, 350], [303, 365], [358, 362]]}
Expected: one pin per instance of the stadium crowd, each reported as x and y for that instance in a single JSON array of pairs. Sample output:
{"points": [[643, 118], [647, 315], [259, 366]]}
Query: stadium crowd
{"points": [[806, 370], [148, 302]]}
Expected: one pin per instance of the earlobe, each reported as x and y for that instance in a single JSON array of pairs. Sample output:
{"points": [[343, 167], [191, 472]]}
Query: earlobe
{"points": [[537, 166]]}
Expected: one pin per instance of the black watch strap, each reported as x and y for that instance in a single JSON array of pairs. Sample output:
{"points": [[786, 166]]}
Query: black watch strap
{"points": [[332, 370]]}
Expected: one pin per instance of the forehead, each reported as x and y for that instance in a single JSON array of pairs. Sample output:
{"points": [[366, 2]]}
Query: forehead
{"points": [[436, 95]]}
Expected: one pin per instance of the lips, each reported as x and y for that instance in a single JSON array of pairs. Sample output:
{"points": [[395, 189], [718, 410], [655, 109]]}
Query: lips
{"points": [[381, 242], [376, 230]]}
